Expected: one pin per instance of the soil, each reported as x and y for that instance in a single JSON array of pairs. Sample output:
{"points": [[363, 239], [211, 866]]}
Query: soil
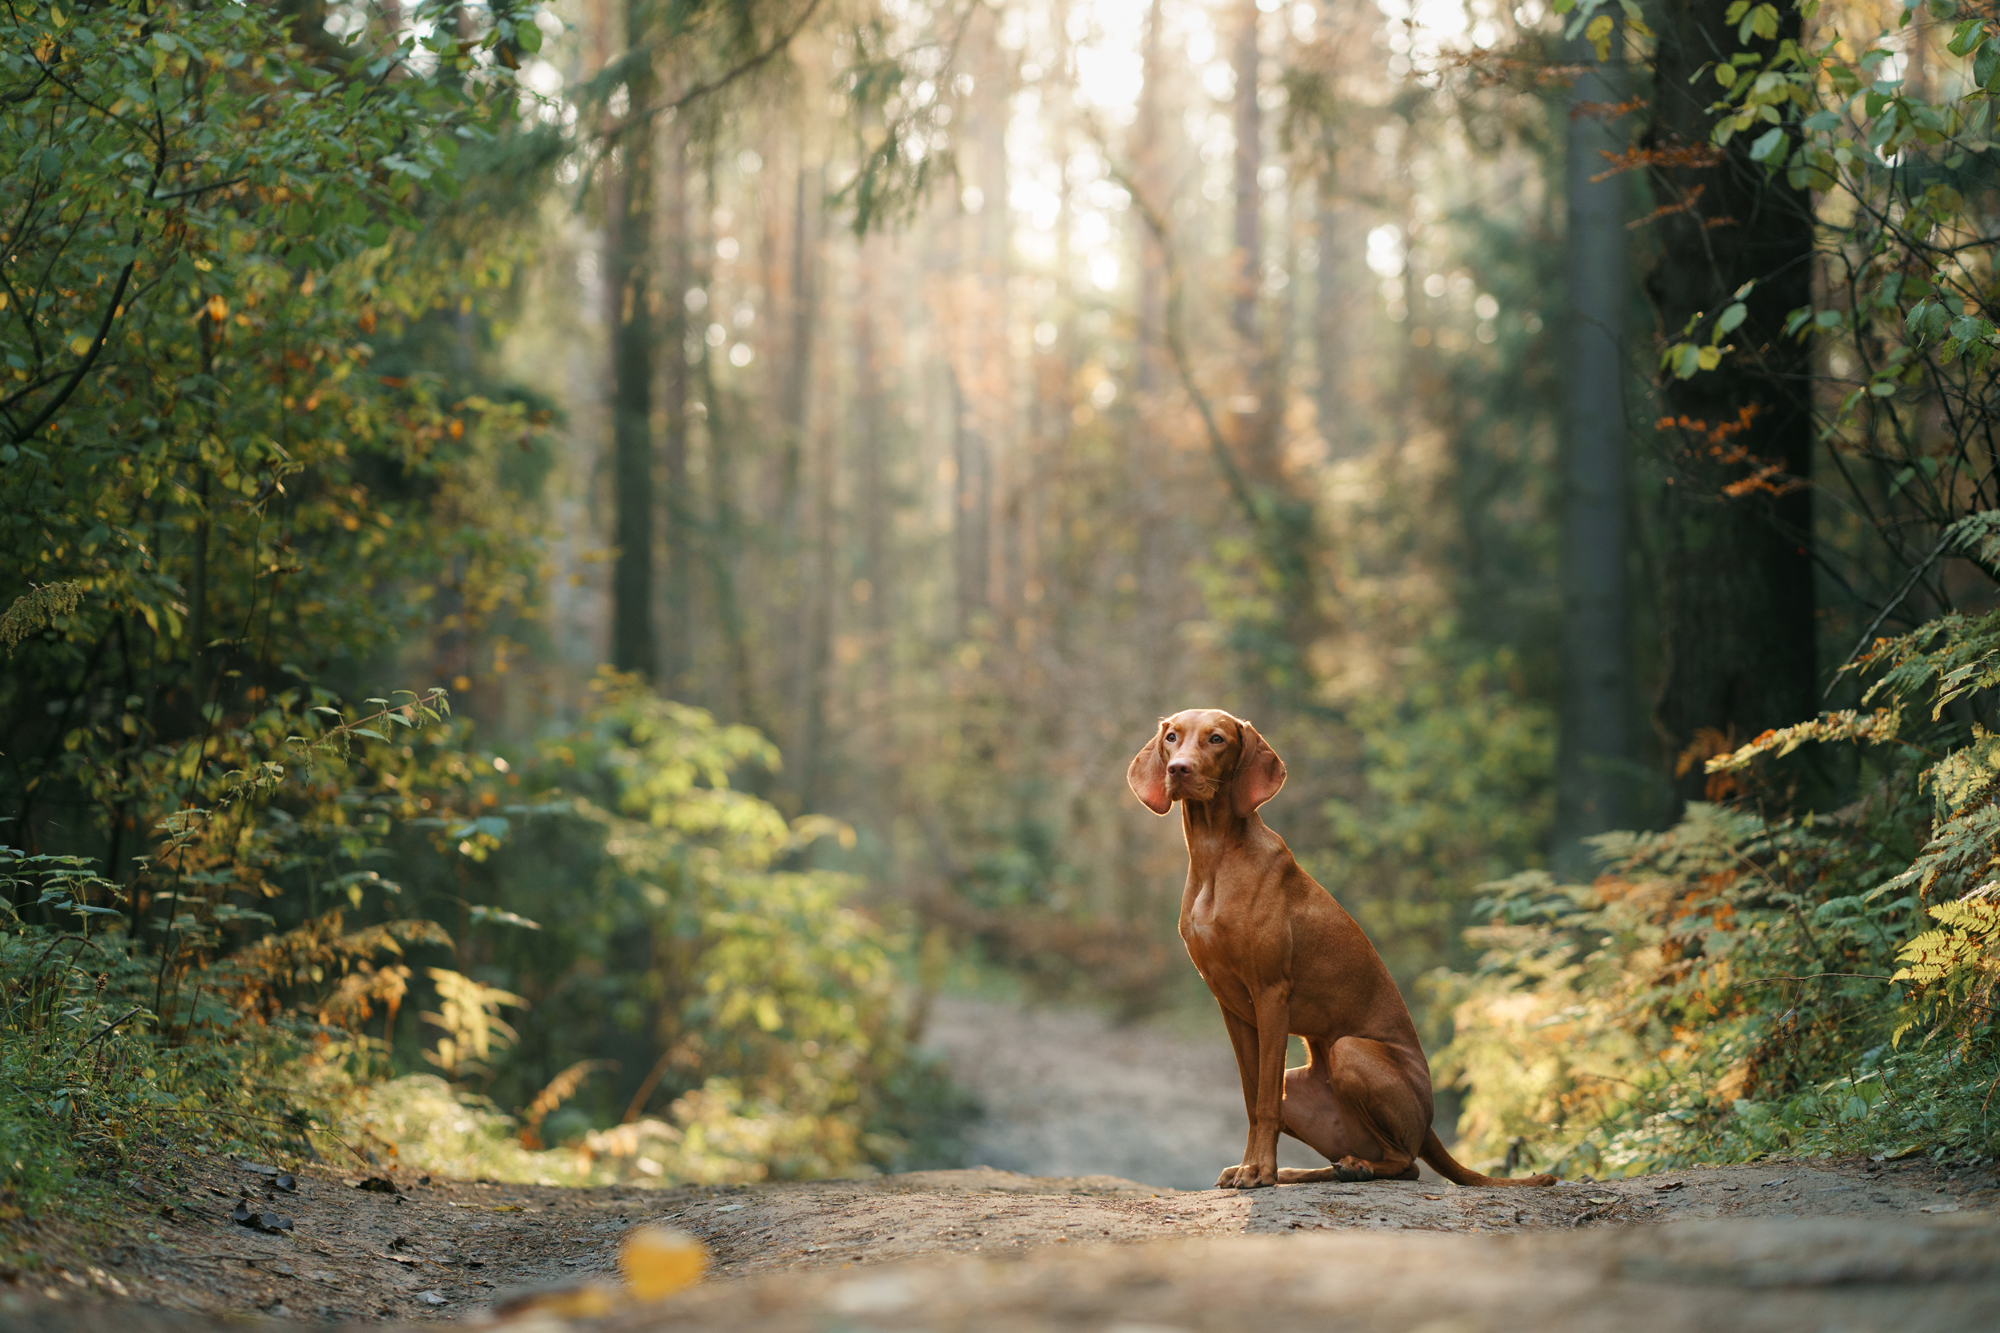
{"points": [[993, 1248]]}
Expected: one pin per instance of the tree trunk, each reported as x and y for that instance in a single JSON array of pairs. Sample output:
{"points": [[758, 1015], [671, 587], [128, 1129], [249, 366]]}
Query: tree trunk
{"points": [[1593, 745], [1149, 157], [1737, 601], [680, 510], [629, 214], [876, 511], [1249, 196], [972, 508]]}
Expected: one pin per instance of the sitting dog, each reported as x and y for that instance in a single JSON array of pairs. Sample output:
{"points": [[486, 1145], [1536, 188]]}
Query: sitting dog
{"points": [[1282, 957]]}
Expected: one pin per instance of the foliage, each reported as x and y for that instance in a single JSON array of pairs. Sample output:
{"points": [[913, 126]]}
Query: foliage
{"points": [[1745, 983], [95, 1076], [236, 479], [1457, 769]]}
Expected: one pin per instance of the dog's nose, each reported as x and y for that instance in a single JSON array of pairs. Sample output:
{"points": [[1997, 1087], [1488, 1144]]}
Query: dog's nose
{"points": [[1181, 767]]}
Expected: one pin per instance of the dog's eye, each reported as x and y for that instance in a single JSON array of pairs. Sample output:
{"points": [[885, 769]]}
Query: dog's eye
{"points": [[1171, 738], [1216, 738]]}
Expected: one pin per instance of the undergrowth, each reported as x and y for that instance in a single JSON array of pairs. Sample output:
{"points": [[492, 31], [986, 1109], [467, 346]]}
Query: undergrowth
{"points": [[1762, 978]]}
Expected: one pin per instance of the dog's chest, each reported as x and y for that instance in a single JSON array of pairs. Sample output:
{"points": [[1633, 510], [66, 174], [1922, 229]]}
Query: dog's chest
{"points": [[1203, 926]]}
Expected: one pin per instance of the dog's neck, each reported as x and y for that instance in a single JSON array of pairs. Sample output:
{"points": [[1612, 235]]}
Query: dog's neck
{"points": [[1213, 831]]}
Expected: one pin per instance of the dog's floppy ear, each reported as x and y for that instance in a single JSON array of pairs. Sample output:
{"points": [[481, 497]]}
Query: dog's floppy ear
{"points": [[1147, 775], [1259, 774]]}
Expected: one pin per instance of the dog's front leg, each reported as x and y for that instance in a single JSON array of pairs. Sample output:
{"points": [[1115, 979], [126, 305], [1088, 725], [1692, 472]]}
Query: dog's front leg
{"points": [[1260, 1061]]}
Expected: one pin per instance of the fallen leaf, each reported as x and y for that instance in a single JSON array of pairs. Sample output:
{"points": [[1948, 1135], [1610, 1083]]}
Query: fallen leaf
{"points": [[286, 1183], [728, 1208], [1669, 1185], [1898, 1154], [379, 1185], [658, 1261], [1604, 1198], [1939, 1208], [244, 1216], [430, 1298], [1434, 1196], [1773, 1184]]}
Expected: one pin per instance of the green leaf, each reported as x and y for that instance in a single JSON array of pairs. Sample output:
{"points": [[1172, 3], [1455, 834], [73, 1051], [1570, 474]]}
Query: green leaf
{"points": [[1731, 318], [484, 915], [1769, 147], [1598, 33]]}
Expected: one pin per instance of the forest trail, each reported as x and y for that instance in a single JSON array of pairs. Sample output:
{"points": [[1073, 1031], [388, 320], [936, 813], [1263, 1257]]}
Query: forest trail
{"points": [[1850, 1245], [1908, 1244]]}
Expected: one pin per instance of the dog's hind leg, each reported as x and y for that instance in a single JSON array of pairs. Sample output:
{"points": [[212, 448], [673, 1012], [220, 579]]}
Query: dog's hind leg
{"points": [[1346, 1134], [1361, 1112]]}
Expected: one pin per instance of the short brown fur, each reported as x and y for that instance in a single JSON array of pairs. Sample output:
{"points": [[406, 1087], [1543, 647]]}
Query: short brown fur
{"points": [[1282, 957]]}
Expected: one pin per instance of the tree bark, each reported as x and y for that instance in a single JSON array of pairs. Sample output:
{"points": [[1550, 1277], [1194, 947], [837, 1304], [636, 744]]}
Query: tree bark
{"points": [[1249, 159], [680, 511], [629, 214], [1737, 601], [1593, 744]]}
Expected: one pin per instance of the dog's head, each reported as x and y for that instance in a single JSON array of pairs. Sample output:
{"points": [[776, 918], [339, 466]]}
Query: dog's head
{"points": [[1200, 754]]}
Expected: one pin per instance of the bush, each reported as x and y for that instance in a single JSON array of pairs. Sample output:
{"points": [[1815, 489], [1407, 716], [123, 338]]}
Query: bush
{"points": [[1746, 982]]}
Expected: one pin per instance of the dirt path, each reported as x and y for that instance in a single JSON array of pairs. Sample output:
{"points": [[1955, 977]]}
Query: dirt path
{"points": [[1068, 1093], [1100, 1239], [455, 1250]]}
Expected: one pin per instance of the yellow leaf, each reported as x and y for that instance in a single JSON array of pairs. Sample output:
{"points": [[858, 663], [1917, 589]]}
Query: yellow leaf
{"points": [[80, 344], [659, 1261], [218, 309]]}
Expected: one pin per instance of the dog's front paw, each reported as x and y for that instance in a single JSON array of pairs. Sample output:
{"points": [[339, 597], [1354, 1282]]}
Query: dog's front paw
{"points": [[1244, 1177]]}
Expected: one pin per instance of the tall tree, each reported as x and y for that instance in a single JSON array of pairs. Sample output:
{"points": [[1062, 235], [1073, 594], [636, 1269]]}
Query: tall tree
{"points": [[1737, 599], [1249, 233], [629, 214], [680, 510], [1596, 700]]}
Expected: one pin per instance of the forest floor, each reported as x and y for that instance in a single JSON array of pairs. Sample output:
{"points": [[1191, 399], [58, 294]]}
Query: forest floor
{"points": [[1852, 1244]]}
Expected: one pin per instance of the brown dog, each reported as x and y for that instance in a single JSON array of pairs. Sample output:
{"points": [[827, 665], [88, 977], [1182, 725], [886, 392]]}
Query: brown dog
{"points": [[1282, 957]]}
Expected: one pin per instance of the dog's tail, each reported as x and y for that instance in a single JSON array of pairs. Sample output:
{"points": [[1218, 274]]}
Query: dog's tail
{"points": [[1447, 1166]]}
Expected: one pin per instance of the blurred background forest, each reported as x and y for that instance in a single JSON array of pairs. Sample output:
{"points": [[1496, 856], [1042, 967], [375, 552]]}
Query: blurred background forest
{"points": [[570, 565]]}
